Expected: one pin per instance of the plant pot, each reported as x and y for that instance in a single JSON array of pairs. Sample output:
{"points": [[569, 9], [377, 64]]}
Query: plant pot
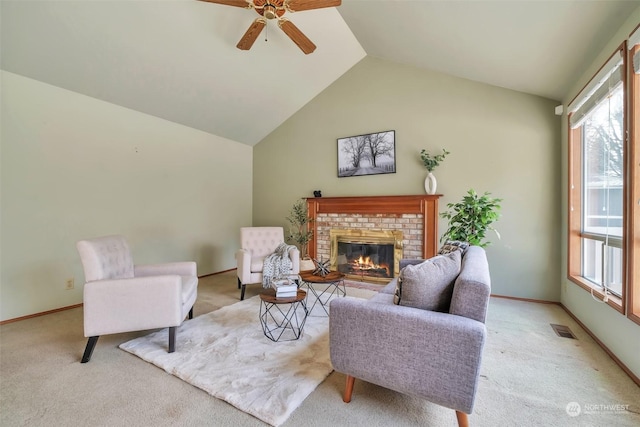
{"points": [[307, 264], [430, 184]]}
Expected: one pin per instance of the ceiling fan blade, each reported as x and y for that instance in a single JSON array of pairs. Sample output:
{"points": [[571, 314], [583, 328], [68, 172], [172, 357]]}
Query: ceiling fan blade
{"points": [[237, 3], [252, 34], [299, 5], [296, 35]]}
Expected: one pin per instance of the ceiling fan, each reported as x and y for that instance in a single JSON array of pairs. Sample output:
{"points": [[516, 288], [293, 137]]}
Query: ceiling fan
{"points": [[274, 9]]}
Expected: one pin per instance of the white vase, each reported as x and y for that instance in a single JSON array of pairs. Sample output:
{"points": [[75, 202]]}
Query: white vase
{"points": [[307, 264], [430, 184]]}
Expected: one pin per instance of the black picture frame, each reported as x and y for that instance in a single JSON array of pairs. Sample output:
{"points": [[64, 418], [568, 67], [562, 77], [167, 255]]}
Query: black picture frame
{"points": [[367, 154]]}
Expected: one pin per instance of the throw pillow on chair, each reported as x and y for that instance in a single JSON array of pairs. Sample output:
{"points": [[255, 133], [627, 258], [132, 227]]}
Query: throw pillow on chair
{"points": [[429, 285]]}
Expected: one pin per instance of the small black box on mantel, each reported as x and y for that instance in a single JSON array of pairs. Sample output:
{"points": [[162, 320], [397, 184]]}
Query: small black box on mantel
{"points": [[317, 193]]}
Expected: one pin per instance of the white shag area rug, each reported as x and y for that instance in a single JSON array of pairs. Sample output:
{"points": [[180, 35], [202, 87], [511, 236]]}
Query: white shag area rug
{"points": [[226, 354]]}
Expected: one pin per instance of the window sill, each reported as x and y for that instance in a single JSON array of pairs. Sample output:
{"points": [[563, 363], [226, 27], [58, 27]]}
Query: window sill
{"points": [[613, 301]]}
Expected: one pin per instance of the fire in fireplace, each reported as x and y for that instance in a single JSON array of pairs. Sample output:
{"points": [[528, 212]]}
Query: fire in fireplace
{"points": [[366, 259], [372, 255]]}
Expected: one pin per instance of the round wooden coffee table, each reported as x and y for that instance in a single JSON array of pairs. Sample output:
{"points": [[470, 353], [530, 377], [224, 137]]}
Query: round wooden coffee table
{"points": [[323, 288], [282, 318]]}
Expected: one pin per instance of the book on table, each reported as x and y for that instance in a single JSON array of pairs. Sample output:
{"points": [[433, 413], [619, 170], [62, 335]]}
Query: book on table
{"points": [[285, 288], [291, 294]]}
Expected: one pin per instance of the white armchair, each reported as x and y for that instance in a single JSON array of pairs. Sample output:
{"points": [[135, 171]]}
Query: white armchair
{"points": [[255, 244], [120, 297]]}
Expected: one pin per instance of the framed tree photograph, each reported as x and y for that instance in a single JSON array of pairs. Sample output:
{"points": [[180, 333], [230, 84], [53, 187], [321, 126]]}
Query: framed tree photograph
{"points": [[369, 154]]}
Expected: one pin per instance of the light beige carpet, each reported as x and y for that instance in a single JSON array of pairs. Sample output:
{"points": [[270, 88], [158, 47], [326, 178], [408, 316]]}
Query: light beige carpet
{"points": [[528, 377], [226, 354]]}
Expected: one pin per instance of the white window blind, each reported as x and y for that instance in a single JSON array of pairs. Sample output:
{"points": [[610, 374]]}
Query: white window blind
{"points": [[598, 89]]}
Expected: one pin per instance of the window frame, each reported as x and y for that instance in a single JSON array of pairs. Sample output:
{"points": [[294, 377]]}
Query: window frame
{"points": [[633, 187], [575, 195]]}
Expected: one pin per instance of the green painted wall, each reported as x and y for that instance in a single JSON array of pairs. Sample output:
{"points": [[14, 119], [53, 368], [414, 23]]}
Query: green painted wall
{"points": [[501, 141], [74, 167]]}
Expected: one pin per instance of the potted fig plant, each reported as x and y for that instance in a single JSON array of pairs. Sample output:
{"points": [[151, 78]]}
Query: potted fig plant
{"points": [[299, 232], [470, 218], [430, 162]]}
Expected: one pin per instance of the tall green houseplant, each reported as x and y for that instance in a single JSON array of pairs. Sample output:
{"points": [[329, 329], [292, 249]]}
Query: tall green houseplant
{"points": [[299, 232], [470, 218]]}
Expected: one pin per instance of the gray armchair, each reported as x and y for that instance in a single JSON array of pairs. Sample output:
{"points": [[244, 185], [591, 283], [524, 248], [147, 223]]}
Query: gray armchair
{"points": [[428, 354]]}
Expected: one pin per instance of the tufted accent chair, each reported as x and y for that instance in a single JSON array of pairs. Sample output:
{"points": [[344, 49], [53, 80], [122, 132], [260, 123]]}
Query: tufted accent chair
{"points": [[122, 297], [255, 244]]}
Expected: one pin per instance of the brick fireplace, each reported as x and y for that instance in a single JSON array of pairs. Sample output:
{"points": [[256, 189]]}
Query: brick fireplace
{"points": [[414, 216]]}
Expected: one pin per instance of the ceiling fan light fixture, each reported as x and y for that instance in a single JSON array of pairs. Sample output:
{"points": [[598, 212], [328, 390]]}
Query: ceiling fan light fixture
{"points": [[269, 11], [274, 9]]}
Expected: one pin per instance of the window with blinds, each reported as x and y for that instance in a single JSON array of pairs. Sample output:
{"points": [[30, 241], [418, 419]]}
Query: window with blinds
{"points": [[604, 182], [597, 182]]}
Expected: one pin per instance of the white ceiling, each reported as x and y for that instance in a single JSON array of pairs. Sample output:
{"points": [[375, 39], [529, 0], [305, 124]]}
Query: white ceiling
{"points": [[176, 59]]}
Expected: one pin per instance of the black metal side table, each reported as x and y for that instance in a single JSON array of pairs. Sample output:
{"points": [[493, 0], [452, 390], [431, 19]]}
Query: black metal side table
{"points": [[282, 318], [323, 289]]}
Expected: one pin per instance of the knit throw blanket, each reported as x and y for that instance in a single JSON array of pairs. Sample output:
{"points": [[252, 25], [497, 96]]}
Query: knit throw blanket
{"points": [[277, 264]]}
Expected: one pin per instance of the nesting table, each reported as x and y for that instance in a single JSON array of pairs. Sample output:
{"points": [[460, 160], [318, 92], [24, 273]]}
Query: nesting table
{"points": [[322, 289], [282, 318]]}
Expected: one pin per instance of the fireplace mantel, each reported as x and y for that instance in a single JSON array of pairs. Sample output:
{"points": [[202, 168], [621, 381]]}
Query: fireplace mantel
{"points": [[425, 206]]}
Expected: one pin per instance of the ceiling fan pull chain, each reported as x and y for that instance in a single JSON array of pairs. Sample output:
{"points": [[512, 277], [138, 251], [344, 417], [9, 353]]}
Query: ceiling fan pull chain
{"points": [[266, 32]]}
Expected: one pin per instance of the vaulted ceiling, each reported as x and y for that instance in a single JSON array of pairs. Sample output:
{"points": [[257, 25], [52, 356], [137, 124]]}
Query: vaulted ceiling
{"points": [[176, 59]]}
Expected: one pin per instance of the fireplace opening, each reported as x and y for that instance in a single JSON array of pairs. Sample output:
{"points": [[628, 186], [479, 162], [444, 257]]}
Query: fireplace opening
{"points": [[372, 255], [365, 259]]}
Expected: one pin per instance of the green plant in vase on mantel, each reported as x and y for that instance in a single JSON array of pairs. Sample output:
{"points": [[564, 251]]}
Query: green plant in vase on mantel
{"points": [[470, 218], [431, 162]]}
